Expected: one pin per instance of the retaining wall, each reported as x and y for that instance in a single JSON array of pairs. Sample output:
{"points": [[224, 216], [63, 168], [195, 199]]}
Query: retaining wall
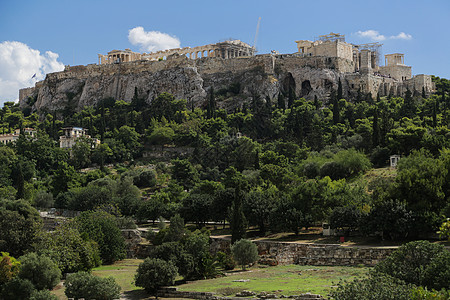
{"points": [[284, 253]]}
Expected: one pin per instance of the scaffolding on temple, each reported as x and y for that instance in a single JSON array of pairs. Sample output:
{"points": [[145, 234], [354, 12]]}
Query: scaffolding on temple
{"points": [[374, 48], [331, 37]]}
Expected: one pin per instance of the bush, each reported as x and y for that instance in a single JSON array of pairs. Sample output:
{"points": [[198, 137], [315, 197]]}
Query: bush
{"points": [[419, 263], [40, 270], [43, 295], [420, 293], [225, 261], [245, 252], [154, 273], [378, 286], [102, 228], [9, 267], [88, 286], [333, 170], [68, 249], [44, 199], [17, 289]]}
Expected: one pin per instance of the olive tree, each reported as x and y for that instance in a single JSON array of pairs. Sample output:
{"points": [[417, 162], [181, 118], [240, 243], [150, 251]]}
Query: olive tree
{"points": [[245, 252]]}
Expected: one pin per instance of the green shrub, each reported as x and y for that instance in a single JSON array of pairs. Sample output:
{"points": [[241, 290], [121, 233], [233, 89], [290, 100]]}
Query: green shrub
{"points": [[419, 263], [245, 252], [154, 273], [225, 261], [43, 199], [9, 267], [420, 293], [40, 270], [102, 228], [17, 289], [379, 286], [88, 286], [43, 295]]}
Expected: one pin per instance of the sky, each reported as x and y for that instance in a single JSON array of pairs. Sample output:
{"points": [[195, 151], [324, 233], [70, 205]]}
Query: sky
{"points": [[40, 37]]}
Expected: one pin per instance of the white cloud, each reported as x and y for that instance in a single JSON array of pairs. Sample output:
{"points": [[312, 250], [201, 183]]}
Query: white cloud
{"points": [[18, 64], [375, 36], [372, 35], [152, 41], [402, 36]]}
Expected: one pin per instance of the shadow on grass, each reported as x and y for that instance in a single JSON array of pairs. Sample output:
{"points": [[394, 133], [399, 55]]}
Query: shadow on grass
{"points": [[136, 295]]}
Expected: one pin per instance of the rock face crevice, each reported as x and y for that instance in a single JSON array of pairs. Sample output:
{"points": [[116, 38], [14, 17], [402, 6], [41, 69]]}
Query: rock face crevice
{"points": [[262, 75]]}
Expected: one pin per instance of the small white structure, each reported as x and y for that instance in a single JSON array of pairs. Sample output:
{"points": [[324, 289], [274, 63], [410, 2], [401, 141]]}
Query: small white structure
{"points": [[393, 159], [12, 137], [327, 230]]}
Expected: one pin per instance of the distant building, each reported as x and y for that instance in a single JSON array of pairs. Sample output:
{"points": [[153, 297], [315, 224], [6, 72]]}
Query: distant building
{"points": [[12, 137], [72, 134], [393, 160]]}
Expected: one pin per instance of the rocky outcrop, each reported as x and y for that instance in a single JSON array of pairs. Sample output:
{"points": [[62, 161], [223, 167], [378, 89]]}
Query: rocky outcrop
{"points": [[235, 80]]}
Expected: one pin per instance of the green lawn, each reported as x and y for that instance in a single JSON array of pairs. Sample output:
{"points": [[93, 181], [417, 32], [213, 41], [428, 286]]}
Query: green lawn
{"points": [[122, 271], [281, 280]]}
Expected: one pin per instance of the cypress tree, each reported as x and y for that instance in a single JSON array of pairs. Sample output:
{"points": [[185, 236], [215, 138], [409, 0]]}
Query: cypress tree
{"points": [[238, 220], [334, 100], [435, 108], [339, 90], [375, 129], [281, 103], [291, 97]]}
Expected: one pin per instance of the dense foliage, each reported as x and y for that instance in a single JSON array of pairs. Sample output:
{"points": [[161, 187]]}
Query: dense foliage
{"points": [[245, 252], [154, 273], [275, 165], [87, 286]]}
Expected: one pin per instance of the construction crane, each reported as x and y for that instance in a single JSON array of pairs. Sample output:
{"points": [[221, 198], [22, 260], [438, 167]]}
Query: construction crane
{"points": [[256, 34]]}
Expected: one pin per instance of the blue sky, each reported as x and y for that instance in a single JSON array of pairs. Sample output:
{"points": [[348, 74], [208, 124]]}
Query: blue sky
{"points": [[74, 32]]}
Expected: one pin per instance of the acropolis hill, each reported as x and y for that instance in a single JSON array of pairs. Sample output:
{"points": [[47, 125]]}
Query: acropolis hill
{"points": [[190, 73]]}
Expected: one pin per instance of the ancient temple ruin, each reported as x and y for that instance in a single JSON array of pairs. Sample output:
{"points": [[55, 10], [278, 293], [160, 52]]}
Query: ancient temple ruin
{"points": [[226, 49], [314, 71]]}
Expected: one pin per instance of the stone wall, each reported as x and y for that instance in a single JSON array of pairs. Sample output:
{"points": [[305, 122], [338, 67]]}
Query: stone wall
{"points": [[172, 292], [283, 253], [132, 240]]}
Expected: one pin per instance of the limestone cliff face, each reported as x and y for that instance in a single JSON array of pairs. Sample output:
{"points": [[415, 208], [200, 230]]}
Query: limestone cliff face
{"points": [[263, 75]]}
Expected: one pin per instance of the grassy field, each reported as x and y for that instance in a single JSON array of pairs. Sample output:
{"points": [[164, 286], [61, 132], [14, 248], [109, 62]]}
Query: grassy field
{"points": [[122, 271], [280, 280]]}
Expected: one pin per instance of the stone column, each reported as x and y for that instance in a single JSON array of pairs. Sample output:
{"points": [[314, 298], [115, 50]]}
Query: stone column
{"points": [[366, 62]]}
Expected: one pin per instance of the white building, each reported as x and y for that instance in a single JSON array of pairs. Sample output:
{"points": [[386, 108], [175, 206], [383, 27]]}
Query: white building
{"points": [[12, 137], [71, 135]]}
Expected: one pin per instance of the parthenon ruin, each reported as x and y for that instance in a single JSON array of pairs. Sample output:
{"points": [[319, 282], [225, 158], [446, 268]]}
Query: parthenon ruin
{"points": [[226, 49]]}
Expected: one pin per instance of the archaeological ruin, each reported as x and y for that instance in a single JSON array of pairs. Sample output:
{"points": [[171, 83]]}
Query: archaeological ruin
{"points": [[190, 73], [226, 49]]}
